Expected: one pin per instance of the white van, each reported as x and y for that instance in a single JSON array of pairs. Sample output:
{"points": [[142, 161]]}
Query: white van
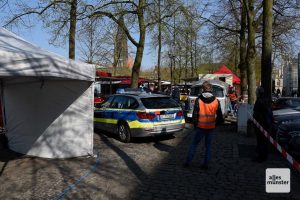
{"points": [[220, 90]]}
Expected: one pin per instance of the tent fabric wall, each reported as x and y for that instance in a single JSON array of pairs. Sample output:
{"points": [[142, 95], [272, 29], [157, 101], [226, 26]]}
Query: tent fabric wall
{"points": [[21, 58], [50, 118], [47, 100], [225, 70]]}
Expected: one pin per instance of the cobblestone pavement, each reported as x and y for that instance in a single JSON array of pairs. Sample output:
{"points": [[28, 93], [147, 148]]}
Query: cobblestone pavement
{"points": [[146, 169]]}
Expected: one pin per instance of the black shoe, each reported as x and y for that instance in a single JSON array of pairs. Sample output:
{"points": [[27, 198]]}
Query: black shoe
{"points": [[204, 166], [186, 165]]}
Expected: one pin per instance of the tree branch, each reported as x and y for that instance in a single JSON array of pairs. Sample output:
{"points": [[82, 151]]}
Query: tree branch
{"points": [[220, 27], [162, 18], [4, 4], [258, 8], [278, 12], [33, 12], [236, 15], [258, 20], [114, 3], [120, 23]]}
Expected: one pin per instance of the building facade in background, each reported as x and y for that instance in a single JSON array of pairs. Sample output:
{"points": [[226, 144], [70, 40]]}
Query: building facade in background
{"points": [[277, 76], [290, 77]]}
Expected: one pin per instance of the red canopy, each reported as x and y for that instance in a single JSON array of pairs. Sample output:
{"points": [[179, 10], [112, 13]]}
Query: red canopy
{"points": [[127, 80], [103, 74], [224, 70]]}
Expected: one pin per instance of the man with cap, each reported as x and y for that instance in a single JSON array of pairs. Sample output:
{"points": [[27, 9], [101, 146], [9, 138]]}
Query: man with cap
{"points": [[206, 114]]}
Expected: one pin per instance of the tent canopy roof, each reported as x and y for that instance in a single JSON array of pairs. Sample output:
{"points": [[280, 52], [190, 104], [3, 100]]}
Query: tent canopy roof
{"points": [[21, 58], [225, 70]]}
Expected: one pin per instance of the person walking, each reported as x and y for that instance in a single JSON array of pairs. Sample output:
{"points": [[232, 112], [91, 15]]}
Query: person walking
{"points": [[278, 93], [206, 114], [233, 100], [263, 114], [176, 94]]}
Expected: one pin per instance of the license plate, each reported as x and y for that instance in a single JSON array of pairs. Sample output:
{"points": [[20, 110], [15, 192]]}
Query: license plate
{"points": [[167, 116], [189, 115]]}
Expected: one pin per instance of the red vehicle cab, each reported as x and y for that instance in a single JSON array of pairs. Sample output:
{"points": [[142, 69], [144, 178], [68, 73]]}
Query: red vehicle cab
{"points": [[98, 96]]}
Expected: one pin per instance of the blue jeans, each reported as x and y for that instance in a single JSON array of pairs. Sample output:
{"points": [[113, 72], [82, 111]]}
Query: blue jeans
{"points": [[199, 134]]}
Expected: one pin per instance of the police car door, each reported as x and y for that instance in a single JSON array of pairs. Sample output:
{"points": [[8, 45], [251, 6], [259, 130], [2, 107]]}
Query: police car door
{"points": [[101, 114]]}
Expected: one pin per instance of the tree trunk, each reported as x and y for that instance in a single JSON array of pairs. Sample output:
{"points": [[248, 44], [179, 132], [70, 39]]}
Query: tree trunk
{"points": [[72, 31], [171, 69], [236, 52], [92, 33], [266, 60], [251, 54], [174, 48], [159, 48], [195, 53], [180, 65], [191, 54], [243, 52], [140, 48], [186, 62]]}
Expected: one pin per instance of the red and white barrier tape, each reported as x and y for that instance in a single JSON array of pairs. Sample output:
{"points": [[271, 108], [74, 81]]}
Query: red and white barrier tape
{"points": [[283, 152]]}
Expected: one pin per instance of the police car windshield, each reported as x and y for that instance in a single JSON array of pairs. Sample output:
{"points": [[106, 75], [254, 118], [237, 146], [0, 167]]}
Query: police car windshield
{"points": [[159, 102], [217, 91]]}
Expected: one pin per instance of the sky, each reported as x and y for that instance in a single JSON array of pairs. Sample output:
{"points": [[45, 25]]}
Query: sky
{"points": [[39, 36]]}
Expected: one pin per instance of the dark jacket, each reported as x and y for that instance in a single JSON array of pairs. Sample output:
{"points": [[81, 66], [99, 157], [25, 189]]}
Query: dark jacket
{"points": [[176, 94], [219, 119], [263, 114]]}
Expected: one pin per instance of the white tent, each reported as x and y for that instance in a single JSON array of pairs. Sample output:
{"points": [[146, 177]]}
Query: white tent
{"points": [[47, 100], [228, 78]]}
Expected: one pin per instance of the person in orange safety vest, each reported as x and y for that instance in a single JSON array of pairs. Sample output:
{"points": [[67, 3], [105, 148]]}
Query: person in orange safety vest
{"points": [[207, 114]]}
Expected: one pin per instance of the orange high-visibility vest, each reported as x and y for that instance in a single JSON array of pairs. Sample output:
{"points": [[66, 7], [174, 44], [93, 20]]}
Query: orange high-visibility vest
{"points": [[207, 114]]}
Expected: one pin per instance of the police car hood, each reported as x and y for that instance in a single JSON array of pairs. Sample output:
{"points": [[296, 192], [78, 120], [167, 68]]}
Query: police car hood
{"points": [[207, 97]]}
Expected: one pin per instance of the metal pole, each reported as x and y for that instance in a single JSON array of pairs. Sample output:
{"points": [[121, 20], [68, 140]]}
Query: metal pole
{"points": [[171, 60], [110, 86], [298, 89]]}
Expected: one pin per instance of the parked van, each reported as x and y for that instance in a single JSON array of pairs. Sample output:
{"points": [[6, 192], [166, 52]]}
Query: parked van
{"points": [[220, 90]]}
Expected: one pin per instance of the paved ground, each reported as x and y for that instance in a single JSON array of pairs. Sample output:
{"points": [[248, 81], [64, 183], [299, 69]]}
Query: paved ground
{"points": [[146, 169]]}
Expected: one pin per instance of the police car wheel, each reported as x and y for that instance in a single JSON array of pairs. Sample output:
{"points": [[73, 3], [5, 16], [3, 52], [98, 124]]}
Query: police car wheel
{"points": [[124, 133]]}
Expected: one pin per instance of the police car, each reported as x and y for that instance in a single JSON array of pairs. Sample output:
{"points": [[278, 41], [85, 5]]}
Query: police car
{"points": [[139, 115]]}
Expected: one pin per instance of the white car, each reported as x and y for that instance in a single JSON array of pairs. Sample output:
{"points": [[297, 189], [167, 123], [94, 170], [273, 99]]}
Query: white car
{"points": [[219, 91]]}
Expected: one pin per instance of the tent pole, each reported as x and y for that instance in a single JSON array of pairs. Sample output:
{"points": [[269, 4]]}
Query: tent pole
{"points": [[2, 106], [110, 86]]}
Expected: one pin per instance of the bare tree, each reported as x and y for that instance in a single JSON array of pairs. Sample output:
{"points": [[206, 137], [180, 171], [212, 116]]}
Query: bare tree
{"points": [[266, 61], [251, 50], [72, 31], [243, 50], [182, 40], [285, 29], [96, 41], [134, 9], [128, 8], [60, 16], [229, 24], [161, 10]]}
